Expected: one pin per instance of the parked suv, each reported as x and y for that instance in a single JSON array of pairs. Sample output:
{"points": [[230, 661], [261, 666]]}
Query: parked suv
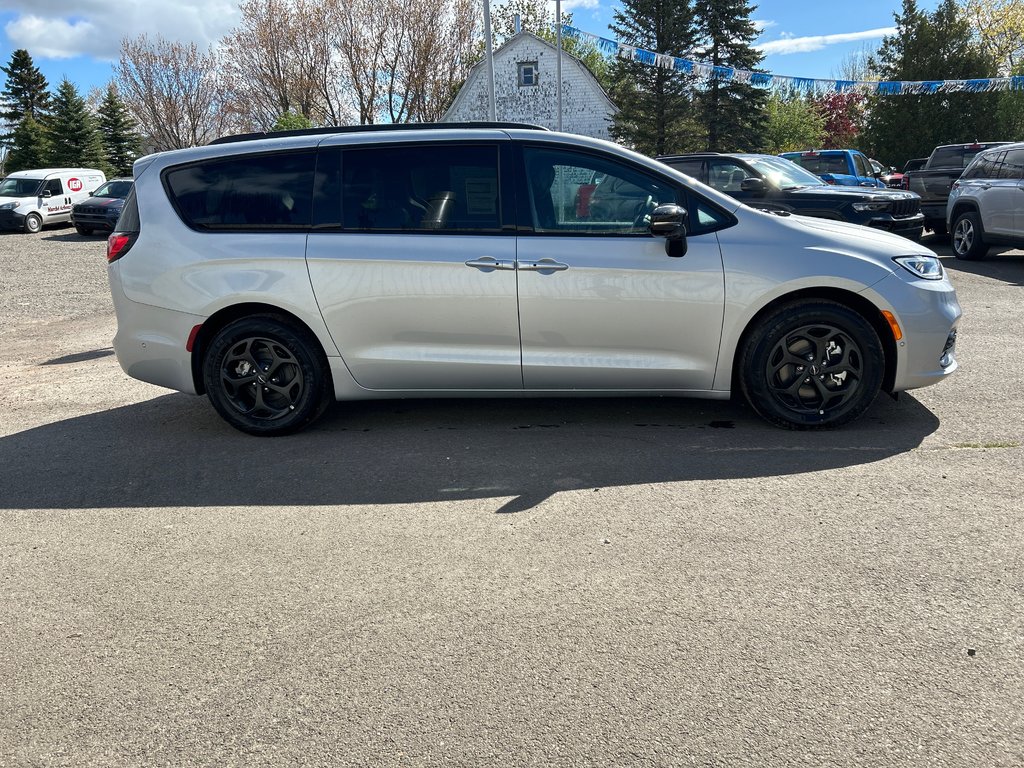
{"points": [[276, 275], [777, 184], [102, 209], [986, 204]]}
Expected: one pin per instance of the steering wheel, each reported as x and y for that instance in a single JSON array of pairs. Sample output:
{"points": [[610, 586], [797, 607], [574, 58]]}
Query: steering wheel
{"points": [[644, 210]]}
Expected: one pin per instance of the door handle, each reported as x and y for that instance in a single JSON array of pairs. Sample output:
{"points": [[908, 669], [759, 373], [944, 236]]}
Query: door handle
{"points": [[546, 266], [489, 263]]}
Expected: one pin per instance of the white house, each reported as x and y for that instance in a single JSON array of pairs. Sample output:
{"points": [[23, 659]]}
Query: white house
{"points": [[525, 92]]}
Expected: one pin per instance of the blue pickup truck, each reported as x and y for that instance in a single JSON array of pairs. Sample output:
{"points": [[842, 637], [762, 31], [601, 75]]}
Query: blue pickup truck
{"points": [[844, 167]]}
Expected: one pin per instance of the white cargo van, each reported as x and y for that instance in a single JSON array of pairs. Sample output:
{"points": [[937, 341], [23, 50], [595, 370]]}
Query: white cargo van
{"points": [[31, 199]]}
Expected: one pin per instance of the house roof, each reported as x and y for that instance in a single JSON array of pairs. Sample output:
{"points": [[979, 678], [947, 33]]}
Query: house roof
{"points": [[507, 47]]}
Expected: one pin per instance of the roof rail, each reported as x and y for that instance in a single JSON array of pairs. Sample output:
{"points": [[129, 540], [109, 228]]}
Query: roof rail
{"points": [[371, 128]]}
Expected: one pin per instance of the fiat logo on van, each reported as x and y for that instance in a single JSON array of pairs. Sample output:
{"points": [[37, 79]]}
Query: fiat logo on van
{"points": [[75, 185]]}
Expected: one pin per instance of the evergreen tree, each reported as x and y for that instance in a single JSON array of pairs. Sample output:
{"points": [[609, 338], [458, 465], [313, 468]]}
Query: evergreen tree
{"points": [[25, 92], [733, 112], [121, 144], [655, 110], [929, 46], [30, 147], [74, 140]]}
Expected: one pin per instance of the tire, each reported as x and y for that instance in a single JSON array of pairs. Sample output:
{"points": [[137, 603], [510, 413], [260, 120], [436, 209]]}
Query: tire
{"points": [[266, 376], [811, 365], [33, 223], [968, 240], [85, 231]]}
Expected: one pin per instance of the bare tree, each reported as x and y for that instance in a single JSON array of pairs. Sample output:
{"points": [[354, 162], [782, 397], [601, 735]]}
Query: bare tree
{"points": [[173, 91], [279, 60], [404, 62]]}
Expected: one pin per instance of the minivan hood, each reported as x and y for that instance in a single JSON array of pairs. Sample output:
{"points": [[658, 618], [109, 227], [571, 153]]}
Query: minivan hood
{"points": [[854, 238]]}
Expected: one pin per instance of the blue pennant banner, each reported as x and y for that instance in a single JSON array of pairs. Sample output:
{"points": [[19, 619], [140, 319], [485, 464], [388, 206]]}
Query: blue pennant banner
{"points": [[805, 85]]}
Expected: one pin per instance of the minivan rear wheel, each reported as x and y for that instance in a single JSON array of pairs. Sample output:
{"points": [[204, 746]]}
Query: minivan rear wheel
{"points": [[810, 365], [266, 376]]}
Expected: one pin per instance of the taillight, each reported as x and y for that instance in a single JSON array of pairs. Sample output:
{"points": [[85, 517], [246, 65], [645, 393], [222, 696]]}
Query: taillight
{"points": [[118, 244]]}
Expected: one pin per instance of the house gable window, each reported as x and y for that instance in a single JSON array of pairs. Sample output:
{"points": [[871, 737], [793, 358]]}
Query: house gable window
{"points": [[527, 73]]}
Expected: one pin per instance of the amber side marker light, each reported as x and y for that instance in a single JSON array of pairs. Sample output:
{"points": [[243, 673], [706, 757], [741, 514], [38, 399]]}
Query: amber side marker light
{"points": [[897, 332]]}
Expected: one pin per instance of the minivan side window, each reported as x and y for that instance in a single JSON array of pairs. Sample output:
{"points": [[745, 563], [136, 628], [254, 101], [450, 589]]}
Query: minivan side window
{"points": [[54, 187], [244, 193], [433, 188], [576, 193]]}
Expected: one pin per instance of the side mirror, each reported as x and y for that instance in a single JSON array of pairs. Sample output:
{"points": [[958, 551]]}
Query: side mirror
{"points": [[669, 221], [46, 193], [754, 185], [868, 184]]}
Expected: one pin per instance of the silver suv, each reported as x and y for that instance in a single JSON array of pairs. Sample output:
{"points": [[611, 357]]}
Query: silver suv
{"points": [[986, 204], [278, 274]]}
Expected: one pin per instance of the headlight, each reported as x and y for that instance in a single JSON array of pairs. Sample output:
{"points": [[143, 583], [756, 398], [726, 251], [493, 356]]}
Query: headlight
{"points": [[8, 206], [928, 267], [877, 205]]}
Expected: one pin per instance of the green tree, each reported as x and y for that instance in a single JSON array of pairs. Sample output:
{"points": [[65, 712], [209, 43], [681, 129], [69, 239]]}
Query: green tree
{"points": [[655, 108], [733, 112], [929, 46], [121, 143], [792, 123], [291, 121], [30, 147], [74, 140], [25, 92]]}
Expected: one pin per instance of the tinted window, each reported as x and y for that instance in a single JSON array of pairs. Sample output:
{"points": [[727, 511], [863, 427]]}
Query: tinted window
{"points": [[1013, 165], [54, 187], [129, 219], [985, 166], [726, 175], [271, 191], [114, 189], [861, 164], [444, 187], [689, 167], [585, 194], [327, 189]]}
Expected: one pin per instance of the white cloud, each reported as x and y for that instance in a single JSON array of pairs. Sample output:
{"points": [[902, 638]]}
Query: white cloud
{"points": [[762, 24], [95, 27], [817, 42], [572, 5]]}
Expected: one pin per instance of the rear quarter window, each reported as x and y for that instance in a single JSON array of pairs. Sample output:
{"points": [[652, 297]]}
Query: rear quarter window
{"points": [[248, 192]]}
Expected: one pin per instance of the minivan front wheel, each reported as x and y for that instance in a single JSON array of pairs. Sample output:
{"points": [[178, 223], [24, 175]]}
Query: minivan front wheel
{"points": [[811, 365], [266, 376], [33, 223]]}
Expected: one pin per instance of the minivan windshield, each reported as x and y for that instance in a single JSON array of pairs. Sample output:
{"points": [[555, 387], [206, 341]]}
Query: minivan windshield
{"points": [[20, 187], [784, 173]]}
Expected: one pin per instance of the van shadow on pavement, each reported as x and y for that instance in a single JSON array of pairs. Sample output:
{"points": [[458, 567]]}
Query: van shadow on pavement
{"points": [[175, 451]]}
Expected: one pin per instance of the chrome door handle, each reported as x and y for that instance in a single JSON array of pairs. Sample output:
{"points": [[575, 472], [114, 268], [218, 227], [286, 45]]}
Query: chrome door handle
{"points": [[543, 265], [488, 263]]}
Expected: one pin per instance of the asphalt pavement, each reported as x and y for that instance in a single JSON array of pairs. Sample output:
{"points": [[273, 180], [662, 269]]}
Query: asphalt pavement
{"points": [[610, 582]]}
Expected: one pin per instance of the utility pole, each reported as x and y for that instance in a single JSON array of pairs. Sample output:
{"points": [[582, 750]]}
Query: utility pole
{"points": [[491, 111]]}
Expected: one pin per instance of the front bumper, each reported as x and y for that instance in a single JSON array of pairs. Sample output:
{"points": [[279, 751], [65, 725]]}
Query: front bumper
{"points": [[928, 313], [94, 220], [12, 220], [907, 226]]}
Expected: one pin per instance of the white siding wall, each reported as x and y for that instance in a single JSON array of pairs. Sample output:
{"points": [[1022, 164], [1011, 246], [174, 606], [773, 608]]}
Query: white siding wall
{"points": [[585, 107]]}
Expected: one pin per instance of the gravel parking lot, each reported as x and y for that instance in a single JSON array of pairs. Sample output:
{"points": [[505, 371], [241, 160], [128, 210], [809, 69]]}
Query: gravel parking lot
{"points": [[490, 583]]}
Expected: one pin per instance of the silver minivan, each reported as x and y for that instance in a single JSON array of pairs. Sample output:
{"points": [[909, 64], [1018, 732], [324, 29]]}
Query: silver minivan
{"points": [[278, 274]]}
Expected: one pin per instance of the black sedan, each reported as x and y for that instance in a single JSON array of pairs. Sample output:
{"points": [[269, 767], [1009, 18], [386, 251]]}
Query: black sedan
{"points": [[776, 184], [102, 209]]}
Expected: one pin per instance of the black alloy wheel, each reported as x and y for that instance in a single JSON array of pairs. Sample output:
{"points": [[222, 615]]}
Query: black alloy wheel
{"points": [[812, 365], [266, 376]]}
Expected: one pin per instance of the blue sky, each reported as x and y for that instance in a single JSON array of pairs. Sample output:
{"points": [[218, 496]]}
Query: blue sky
{"points": [[79, 40]]}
